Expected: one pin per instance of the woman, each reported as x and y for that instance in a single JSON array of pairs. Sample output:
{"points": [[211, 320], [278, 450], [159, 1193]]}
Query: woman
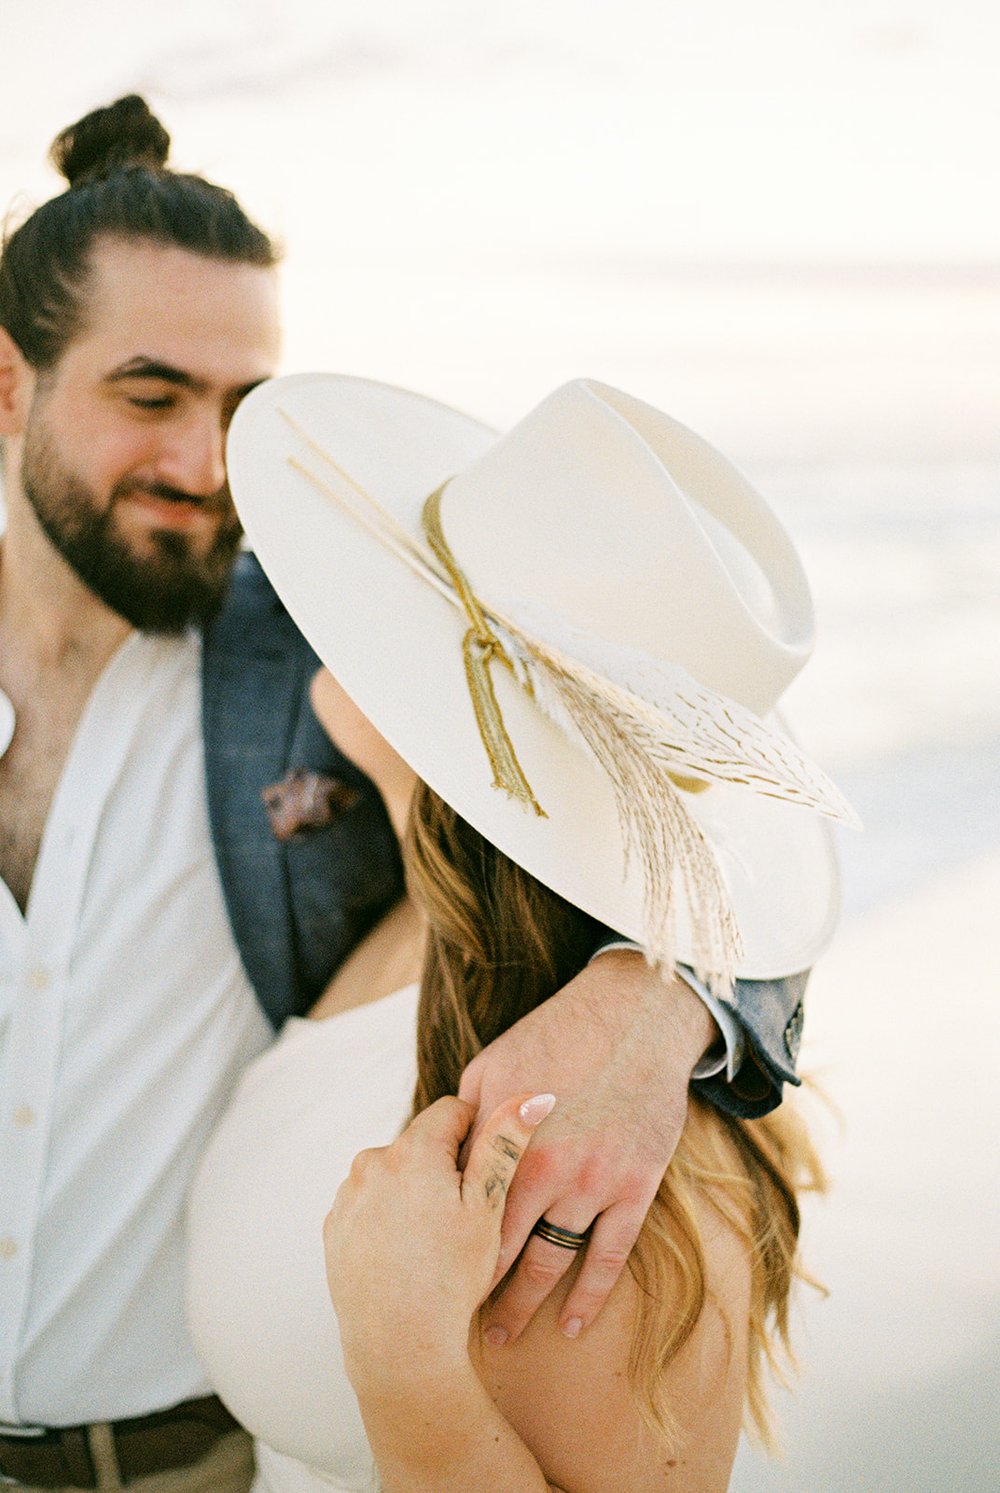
{"points": [[591, 615]]}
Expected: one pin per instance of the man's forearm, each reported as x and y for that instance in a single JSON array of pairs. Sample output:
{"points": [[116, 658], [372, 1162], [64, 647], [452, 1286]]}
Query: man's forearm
{"points": [[756, 1035], [692, 1011]]}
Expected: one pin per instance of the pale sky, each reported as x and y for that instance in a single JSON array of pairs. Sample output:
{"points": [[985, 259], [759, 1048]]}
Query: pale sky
{"points": [[778, 129], [778, 219]]}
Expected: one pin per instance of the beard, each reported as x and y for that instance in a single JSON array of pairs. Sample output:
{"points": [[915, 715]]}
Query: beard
{"points": [[167, 589]]}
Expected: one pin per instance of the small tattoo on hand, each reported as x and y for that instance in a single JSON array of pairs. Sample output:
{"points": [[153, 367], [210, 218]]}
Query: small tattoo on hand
{"points": [[493, 1183]]}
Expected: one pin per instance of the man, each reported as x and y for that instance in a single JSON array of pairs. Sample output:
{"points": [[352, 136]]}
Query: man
{"points": [[185, 858]]}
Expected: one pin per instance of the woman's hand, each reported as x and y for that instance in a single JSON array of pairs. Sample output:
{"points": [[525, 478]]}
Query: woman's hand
{"points": [[412, 1242]]}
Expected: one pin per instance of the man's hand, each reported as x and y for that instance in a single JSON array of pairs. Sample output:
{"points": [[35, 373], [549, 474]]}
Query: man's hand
{"points": [[617, 1046]]}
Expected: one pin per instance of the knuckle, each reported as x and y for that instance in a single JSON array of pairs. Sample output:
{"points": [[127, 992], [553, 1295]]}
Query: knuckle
{"points": [[540, 1272], [592, 1176], [361, 1165], [539, 1168], [636, 1194], [607, 1262], [401, 1151]]}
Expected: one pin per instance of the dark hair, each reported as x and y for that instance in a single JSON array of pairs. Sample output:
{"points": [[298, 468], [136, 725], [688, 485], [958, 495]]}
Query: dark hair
{"points": [[114, 160]]}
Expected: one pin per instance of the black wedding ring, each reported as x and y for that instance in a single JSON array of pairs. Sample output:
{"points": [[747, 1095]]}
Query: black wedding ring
{"points": [[565, 1238]]}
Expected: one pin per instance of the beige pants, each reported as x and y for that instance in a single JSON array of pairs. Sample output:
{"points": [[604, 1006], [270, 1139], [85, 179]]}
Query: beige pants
{"points": [[228, 1468]]}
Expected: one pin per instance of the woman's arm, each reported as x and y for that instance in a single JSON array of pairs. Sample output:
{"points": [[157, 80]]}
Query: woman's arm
{"points": [[447, 1437], [411, 1246]]}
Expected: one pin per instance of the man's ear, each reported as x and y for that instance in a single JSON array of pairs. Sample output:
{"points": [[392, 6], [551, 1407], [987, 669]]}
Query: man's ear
{"points": [[17, 382]]}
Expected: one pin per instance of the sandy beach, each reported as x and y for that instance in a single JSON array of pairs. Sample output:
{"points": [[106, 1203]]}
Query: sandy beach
{"points": [[899, 1383]]}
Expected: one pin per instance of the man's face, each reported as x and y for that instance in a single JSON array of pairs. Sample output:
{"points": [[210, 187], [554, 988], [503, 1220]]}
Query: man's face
{"points": [[123, 451]]}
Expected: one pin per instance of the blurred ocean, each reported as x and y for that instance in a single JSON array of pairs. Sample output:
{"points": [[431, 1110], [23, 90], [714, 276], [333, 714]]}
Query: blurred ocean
{"points": [[903, 691], [901, 1365]]}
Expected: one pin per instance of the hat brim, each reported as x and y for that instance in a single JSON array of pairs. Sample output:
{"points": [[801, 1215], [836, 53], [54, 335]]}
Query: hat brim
{"points": [[395, 645]]}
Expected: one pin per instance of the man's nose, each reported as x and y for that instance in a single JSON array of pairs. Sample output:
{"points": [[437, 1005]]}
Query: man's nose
{"points": [[194, 461]]}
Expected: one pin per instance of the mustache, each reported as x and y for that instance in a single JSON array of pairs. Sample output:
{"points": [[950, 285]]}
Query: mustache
{"points": [[217, 502]]}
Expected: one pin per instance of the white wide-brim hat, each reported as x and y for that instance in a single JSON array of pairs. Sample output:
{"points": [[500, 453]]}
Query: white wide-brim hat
{"points": [[650, 610]]}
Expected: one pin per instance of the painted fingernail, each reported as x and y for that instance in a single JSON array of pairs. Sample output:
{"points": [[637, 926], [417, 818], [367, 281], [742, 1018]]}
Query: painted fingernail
{"points": [[496, 1336], [571, 1327], [534, 1110]]}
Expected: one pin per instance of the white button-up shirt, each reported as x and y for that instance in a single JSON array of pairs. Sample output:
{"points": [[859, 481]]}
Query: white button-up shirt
{"points": [[125, 1018]]}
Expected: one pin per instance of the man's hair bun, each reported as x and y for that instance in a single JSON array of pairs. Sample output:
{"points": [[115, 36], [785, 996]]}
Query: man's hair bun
{"points": [[125, 133], [115, 160]]}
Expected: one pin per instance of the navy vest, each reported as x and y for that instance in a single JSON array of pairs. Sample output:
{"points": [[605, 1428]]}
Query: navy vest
{"points": [[298, 906]]}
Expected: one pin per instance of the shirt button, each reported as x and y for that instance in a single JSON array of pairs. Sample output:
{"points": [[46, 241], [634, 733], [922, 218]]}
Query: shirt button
{"points": [[8, 1247], [39, 978], [24, 1116]]}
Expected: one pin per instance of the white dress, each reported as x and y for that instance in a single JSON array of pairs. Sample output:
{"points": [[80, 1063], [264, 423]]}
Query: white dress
{"points": [[258, 1306]]}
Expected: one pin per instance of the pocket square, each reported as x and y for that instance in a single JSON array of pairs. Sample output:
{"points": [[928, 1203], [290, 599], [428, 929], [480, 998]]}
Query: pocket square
{"points": [[304, 800]]}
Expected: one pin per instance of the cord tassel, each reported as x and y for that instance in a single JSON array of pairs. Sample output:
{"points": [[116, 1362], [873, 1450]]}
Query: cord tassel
{"points": [[480, 647]]}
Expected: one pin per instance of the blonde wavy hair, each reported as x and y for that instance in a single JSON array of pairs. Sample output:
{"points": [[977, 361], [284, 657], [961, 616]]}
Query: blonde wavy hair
{"points": [[498, 944]]}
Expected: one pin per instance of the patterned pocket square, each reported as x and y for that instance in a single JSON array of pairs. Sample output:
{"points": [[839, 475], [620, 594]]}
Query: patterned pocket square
{"points": [[305, 800]]}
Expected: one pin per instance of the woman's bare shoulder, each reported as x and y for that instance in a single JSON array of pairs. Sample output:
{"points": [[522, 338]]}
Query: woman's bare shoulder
{"points": [[572, 1403]]}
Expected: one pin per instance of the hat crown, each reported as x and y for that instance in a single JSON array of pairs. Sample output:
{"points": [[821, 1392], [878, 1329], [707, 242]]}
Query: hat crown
{"points": [[630, 527], [649, 608]]}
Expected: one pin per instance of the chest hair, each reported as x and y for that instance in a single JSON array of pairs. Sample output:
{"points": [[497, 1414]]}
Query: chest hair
{"points": [[29, 774]]}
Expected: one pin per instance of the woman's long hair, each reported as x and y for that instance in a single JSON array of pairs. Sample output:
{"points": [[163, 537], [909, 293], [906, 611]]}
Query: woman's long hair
{"points": [[499, 943]]}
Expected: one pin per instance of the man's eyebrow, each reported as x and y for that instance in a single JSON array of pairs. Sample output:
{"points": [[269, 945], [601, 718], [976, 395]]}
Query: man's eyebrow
{"points": [[167, 373], [149, 368]]}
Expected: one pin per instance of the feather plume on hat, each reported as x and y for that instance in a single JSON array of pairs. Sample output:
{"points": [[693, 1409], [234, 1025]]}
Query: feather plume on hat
{"points": [[655, 732]]}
